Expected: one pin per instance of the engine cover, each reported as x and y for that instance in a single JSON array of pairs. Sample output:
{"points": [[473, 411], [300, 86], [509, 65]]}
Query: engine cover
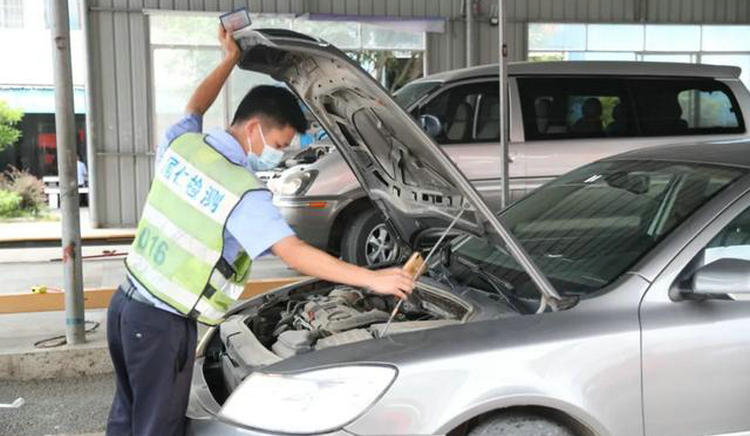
{"points": [[349, 337], [338, 312]]}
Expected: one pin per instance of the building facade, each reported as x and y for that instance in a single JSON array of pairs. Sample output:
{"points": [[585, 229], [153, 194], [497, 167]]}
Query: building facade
{"points": [[124, 128], [26, 82]]}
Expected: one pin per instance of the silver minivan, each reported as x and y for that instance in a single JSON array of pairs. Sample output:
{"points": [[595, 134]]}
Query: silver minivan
{"points": [[562, 115]]}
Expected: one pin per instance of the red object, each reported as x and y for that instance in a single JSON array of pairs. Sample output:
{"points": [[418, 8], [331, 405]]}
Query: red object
{"points": [[49, 140], [46, 140]]}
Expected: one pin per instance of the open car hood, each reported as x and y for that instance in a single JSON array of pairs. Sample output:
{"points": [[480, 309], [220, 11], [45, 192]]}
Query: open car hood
{"points": [[403, 171], [409, 178]]}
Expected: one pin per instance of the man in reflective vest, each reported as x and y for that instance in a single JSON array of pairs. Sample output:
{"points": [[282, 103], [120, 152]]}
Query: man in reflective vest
{"points": [[206, 218]]}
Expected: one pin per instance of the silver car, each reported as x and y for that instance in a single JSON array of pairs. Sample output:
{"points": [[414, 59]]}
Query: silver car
{"points": [[611, 301], [562, 115]]}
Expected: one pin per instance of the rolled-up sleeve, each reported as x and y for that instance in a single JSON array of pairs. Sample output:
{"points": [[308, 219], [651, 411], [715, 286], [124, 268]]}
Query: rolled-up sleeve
{"points": [[257, 224], [190, 123]]}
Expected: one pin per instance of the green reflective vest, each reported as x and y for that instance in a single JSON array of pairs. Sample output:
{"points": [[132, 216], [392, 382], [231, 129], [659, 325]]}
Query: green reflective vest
{"points": [[176, 254]]}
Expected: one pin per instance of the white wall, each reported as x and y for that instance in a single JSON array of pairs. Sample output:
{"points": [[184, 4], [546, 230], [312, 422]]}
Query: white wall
{"points": [[27, 52]]}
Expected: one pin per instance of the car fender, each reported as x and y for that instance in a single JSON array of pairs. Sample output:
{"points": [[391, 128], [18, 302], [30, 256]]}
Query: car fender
{"points": [[524, 400]]}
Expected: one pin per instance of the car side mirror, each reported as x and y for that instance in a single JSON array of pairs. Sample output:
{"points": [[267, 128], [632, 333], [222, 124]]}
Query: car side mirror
{"points": [[721, 279], [431, 125]]}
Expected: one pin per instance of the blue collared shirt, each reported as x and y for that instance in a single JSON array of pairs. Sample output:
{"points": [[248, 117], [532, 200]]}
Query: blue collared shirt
{"points": [[255, 225]]}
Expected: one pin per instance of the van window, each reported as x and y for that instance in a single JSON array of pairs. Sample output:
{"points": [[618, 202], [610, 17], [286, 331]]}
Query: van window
{"points": [[412, 92], [586, 107], [685, 107], [468, 112], [557, 108]]}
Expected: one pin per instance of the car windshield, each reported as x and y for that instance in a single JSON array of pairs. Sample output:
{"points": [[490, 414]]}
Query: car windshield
{"points": [[586, 228], [412, 92]]}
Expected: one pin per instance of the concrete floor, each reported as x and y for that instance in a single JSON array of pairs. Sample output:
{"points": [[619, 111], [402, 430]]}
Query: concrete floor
{"points": [[19, 332], [72, 406]]}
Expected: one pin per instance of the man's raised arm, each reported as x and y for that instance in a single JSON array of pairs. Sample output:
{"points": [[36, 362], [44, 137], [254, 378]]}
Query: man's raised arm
{"points": [[209, 89]]}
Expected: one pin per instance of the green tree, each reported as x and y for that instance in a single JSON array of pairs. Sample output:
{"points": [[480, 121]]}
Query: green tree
{"points": [[9, 117], [398, 71]]}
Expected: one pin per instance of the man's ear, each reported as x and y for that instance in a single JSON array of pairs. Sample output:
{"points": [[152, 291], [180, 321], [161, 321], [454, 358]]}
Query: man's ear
{"points": [[249, 127], [251, 131]]}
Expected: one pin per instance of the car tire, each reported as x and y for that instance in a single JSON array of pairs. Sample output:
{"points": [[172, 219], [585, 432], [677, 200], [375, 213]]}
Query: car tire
{"points": [[519, 424], [367, 240]]}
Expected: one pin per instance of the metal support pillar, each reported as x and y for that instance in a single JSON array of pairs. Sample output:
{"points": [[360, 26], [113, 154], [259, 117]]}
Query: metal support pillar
{"points": [[503, 105], [469, 4], [67, 171], [91, 112]]}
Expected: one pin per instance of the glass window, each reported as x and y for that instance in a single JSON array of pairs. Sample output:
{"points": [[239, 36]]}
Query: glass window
{"points": [[176, 74], [600, 56], [11, 14], [707, 109], [685, 107], [645, 42], [487, 125], [344, 35], [378, 37], [560, 108], [191, 29], [661, 37], [412, 92], [458, 109], [683, 58], [733, 242], [586, 228], [614, 37], [556, 36], [272, 21], [542, 56], [726, 38]]}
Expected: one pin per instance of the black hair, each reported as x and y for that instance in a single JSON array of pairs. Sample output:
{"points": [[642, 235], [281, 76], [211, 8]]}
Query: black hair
{"points": [[275, 104]]}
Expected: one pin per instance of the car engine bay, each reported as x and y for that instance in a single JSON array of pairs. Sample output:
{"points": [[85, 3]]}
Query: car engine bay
{"points": [[321, 315], [342, 316]]}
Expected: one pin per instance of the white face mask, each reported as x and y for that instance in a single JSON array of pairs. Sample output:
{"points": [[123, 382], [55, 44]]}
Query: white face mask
{"points": [[269, 158]]}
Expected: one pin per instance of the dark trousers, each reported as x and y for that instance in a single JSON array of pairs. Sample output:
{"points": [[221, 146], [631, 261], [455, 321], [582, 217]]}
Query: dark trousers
{"points": [[153, 353]]}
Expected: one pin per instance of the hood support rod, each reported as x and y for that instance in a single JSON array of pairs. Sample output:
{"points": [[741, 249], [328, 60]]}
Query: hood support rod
{"points": [[420, 269]]}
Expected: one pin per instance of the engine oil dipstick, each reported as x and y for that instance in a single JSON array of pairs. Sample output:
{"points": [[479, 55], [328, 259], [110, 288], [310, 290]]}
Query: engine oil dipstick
{"points": [[416, 266]]}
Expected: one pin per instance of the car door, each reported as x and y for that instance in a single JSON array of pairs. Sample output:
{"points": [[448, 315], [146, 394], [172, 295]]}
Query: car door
{"points": [[469, 115], [570, 121], [696, 354]]}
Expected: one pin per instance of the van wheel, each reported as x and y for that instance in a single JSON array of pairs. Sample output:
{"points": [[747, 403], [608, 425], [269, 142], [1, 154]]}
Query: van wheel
{"points": [[367, 240], [519, 424]]}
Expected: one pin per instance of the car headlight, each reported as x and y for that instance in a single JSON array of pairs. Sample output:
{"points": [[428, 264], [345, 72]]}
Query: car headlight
{"points": [[308, 402], [294, 184]]}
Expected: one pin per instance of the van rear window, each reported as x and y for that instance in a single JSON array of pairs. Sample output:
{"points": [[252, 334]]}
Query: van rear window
{"points": [[586, 107]]}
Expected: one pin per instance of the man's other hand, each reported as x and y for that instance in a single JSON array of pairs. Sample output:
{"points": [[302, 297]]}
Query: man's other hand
{"points": [[392, 281], [229, 45]]}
